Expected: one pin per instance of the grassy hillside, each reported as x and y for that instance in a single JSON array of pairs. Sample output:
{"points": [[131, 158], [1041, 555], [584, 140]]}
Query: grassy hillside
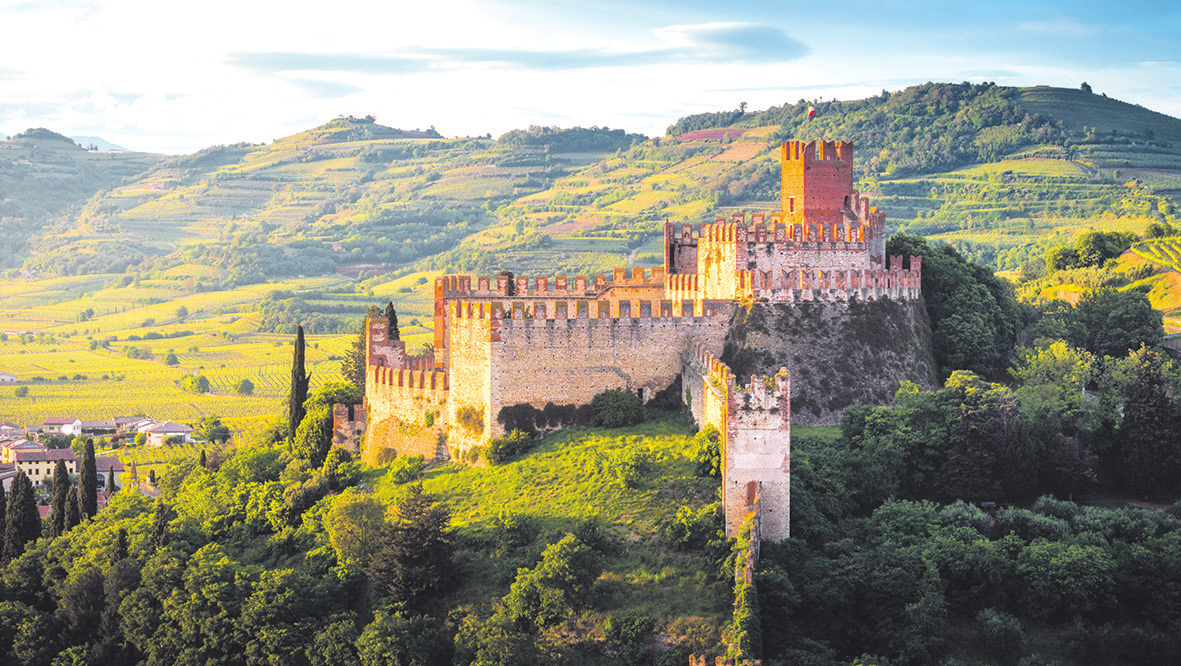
{"points": [[315, 227]]}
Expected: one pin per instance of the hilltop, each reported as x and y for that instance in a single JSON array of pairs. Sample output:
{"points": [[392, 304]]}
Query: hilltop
{"points": [[317, 226]]}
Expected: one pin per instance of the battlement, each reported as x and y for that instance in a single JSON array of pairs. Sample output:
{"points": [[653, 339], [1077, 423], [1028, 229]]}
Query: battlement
{"points": [[501, 286], [834, 285], [813, 152], [542, 314], [430, 380]]}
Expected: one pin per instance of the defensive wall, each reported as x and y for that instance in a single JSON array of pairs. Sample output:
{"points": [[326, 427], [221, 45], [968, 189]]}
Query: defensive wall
{"points": [[754, 426]]}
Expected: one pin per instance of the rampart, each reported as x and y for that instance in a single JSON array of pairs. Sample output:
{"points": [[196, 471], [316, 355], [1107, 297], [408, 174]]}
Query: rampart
{"points": [[754, 423]]}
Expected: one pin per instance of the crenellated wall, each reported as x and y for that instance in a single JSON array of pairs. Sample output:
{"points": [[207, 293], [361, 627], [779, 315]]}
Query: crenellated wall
{"points": [[754, 422]]}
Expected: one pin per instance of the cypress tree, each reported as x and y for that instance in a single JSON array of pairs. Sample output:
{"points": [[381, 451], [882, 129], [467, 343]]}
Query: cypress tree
{"points": [[160, 519], [73, 509], [119, 550], [3, 513], [22, 521], [299, 386], [204, 461], [61, 493], [392, 317], [111, 486], [1149, 453], [88, 483]]}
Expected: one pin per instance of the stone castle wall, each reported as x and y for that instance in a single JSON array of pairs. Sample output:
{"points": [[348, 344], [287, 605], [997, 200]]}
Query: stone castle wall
{"points": [[754, 424]]}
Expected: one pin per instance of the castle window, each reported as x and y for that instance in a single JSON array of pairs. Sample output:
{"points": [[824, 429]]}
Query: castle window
{"points": [[846, 201], [791, 204]]}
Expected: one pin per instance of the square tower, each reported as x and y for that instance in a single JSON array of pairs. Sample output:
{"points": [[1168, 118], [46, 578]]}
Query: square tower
{"points": [[817, 182]]}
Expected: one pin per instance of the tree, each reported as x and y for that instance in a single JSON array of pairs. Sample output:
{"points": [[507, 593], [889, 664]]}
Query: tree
{"points": [[391, 317], [203, 460], [244, 387], [299, 385], [1150, 455], [22, 521], [195, 384], [213, 430], [61, 493], [557, 586], [352, 367], [112, 487], [88, 483], [1115, 322], [354, 525], [415, 556], [616, 408], [1085, 87], [313, 438], [73, 509], [171, 359]]}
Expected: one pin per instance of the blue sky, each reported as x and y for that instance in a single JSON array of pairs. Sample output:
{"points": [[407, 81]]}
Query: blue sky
{"points": [[178, 76]]}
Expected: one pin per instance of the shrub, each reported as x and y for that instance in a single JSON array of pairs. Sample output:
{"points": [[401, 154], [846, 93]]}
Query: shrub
{"points": [[405, 469], [471, 418], [707, 453], [244, 387], [501, 449], [632, 465], [616, 408], [1000, 635], [195, 384], [171, 359], [21, 391]]}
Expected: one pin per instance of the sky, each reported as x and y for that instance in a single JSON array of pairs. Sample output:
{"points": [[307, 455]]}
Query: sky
{"points": [[177, 76]]}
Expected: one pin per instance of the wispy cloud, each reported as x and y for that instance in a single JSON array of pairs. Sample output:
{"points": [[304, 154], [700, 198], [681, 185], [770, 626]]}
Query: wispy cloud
{"points": [[713, 43], [1062, 26], [321, 89]]}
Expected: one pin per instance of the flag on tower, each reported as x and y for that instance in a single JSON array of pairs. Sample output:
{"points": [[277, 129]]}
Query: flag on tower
{"points": [[811, 111]]}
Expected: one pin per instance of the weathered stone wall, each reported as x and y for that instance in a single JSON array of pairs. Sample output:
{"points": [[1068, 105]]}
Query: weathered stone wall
{"points": [[348, 425], [570, 360], [838, 353], [473, 327], [757, 457], [398, 402]]}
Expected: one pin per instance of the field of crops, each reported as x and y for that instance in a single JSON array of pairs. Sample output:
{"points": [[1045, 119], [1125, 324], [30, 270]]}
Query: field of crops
{"points": [[1163, 251]]}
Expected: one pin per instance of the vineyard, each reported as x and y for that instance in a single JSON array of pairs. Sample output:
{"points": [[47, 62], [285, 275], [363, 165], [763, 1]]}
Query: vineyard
{"points": [[1163, 251]]}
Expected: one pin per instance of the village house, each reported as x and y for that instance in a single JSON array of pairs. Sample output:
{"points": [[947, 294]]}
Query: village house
{"points": [[161, 432], [38, 464], [62, 425], [8, 449], [7, 378], [9, 430]]}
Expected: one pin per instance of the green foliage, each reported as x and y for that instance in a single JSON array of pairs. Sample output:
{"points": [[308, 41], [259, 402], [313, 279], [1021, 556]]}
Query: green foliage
{"points": [[88, 482], [500, 449], [244, 387], [471, 418], [405, 469], [299, 387], [21, 391], [213, 430], [572, 140], [1000, 635], [616, 408], [22, 522], [355, 525], [61, 493], [313, 438], [340, 469], [632, 465], [1150, 449], [415, 554], [195, 384], [556, 587], [396, 638], [707, 452], [974, 315], [693, 529]]}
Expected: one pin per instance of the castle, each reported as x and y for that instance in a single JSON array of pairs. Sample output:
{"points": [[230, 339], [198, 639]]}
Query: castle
{"points": [[506, 341]]}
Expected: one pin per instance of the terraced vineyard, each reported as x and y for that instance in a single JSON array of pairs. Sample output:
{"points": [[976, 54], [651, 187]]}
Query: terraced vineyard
{"points": [[1163, 251]]}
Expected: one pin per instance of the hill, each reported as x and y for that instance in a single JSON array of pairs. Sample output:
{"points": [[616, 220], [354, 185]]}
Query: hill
{"points": [[315, 227]]}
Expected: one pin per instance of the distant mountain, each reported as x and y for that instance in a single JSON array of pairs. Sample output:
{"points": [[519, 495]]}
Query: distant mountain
{"points": [[98, 142]]}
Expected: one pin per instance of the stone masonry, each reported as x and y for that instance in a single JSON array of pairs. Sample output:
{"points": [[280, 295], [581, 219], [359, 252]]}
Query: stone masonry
{"points": [[506, 340]]}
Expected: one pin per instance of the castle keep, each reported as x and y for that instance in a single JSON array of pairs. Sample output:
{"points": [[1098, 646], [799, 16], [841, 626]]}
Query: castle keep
{"points": [[504, 341]]}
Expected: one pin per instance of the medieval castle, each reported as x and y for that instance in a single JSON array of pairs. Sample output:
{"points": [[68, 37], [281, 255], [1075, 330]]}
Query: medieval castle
{"points": [[506, 341]]}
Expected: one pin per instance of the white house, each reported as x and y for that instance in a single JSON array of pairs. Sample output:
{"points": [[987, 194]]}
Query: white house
{"points": [[160, 433], [7, 378], [62, 425]]}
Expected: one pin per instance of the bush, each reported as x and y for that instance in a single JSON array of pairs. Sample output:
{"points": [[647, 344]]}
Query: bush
{"points": [[616, 408], [171, 359], [195, 384], [21, 391], [244, 387], [405, 469], [707, 453], [515, 443], [470, 418], [632, 465], [1000, 635]]}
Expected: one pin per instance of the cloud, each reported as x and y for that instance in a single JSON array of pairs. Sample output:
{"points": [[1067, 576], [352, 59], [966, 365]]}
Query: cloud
{"points": [[321, 89], [711, 43], [1067, 27]]}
